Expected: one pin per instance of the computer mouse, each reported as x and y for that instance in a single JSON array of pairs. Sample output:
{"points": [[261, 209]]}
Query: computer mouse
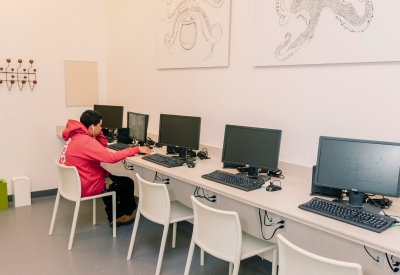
{"points": [[191, 164], [272, 188]]}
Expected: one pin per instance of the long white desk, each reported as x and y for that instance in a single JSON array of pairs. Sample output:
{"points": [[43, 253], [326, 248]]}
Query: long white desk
{"points": [[315, 233]]}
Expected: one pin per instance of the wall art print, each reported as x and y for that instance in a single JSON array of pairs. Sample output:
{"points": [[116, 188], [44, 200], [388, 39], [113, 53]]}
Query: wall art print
{"points": [[294, 32], [192, 33]]}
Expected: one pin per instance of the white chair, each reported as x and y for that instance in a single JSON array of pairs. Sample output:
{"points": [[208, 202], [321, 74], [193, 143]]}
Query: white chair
{"points": [[219, 233], [70, 188], [155, 205], [294, 260]]}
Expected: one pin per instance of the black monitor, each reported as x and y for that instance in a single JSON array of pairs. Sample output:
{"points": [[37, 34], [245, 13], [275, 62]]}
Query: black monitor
{"points": [[180, 132], [137, 127], [253, 147], [112, 115], [359, 166]]}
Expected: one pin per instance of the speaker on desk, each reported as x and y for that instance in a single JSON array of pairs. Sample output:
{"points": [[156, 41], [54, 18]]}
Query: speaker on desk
{"points": [[323, 191], [123, 136]]}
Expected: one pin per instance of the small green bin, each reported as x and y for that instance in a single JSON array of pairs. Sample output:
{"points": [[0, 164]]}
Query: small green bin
{"points": [[3, 195]]}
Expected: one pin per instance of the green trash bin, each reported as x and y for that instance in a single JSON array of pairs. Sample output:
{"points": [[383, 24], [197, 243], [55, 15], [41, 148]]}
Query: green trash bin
{"points": [[3, 195]]}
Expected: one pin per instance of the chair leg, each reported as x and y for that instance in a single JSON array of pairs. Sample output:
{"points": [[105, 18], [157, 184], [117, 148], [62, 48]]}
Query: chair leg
{"points": [[162, 248], [230, 268], [236, 268], [94, 211], [114, 213], [274, 261], [174, 234], [135, 227], [189, 258], [201, 256], [76, 212], [53, 219]]}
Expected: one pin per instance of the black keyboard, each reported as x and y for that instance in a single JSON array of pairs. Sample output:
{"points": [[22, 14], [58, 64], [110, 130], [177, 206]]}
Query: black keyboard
{"points": [[236, 181], [119, 146], [164, 160], [348, 214]]}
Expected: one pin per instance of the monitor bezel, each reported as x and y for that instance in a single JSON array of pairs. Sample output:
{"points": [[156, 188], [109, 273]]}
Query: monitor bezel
{"points": [[344, 187], [250, 164], [175, 145], [146, 126], [117, 107]]}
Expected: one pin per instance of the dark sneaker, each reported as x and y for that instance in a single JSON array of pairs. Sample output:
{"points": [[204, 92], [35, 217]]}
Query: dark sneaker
{"points": [[124, 220]]}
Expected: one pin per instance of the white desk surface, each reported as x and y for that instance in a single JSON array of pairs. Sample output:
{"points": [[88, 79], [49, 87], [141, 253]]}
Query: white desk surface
{"points": [[283, 203]]}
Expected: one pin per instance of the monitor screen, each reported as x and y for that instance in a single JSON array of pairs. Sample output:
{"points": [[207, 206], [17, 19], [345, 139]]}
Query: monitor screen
{"points": [[255, 147], [112, 115], [180, 131], [137, 127], [359, 166]]}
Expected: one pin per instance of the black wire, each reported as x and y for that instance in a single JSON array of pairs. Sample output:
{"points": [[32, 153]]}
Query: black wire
{"points": [[265, 214], [156, 177], [393, 269], [376, 205], [376, 260]]}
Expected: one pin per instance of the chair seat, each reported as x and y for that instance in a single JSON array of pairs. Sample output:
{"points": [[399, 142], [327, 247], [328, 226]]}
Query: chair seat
{"points": [[180, 212], [252, 246]]}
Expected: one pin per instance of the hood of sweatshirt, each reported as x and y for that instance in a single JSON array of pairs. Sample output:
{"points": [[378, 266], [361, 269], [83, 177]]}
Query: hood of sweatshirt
{"points": [[74, 127]]}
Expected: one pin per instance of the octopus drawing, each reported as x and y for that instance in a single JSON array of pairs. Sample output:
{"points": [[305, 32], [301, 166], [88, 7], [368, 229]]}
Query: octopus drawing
{"points": [[310, 11], [188, 19]]}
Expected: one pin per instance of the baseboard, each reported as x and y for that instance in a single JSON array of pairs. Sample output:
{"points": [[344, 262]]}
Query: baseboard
{"points": [[38, 194]]}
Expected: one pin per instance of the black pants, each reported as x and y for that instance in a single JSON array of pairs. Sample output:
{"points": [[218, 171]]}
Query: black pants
{"points": [[126, 204]]}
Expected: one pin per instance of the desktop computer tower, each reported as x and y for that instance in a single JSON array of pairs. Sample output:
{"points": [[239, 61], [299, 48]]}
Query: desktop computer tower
{"points": [[323, 191], [123, 136]]}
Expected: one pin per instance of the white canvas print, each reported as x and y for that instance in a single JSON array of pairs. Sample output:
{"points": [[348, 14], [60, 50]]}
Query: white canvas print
{"points": [[192, 33], [293, 32]]}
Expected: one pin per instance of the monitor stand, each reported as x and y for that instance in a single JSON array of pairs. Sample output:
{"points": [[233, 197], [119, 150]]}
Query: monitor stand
{"points": [[183, 156], [356, 200]]}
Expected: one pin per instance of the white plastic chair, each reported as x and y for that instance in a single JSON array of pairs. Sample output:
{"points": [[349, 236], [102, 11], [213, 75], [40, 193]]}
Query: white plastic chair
{"points": [[70, 188], [294, 260], [219, 233], [155, 205]]}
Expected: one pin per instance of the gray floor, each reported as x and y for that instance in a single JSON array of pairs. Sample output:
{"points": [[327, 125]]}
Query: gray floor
{"points": [[26, 247]]}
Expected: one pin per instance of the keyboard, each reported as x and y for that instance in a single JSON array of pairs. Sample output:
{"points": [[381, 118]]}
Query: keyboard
{"points": [[348, 214], [119, 146], [164, 160], [236, 181]]}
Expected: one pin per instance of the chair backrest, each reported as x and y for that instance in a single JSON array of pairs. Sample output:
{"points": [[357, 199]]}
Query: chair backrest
{"points": [[70, 182], [154, 201], [218, 232], [294, 260]]}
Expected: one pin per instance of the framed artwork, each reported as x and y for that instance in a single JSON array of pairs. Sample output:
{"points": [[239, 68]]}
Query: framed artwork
{"points": [[192, 33], [294, 32]]}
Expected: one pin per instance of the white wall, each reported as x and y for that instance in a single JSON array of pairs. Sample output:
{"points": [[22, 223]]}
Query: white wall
{"points": [[48, 32], [344, 100]]}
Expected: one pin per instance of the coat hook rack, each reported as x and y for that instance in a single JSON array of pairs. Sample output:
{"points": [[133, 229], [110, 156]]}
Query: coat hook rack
{"points": [[21, 77]]}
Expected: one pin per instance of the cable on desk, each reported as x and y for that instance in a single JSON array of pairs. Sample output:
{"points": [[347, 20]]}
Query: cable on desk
{"points": [[197, 195], [376, 260], [273, 233], [157, 178], [391, 267], [265, 215], [382, 203], [126, 166]]}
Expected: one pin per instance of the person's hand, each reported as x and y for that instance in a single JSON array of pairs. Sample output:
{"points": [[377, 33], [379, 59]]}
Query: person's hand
{"points": [[144, 150]]}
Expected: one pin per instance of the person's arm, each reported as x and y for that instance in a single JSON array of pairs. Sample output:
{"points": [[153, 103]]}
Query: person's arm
{"points": [[93, 150]]}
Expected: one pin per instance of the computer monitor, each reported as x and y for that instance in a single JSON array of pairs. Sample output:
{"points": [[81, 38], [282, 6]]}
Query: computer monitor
{"points": [[253, 147], [359, 166], [137, 127], [180, 132], [112, 115]]}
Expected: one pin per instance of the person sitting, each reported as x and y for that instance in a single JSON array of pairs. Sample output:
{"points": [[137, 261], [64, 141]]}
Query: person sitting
{"points": [[85, 148]]}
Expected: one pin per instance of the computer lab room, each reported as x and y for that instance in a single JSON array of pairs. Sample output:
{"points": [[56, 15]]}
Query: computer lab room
{"points": [[272, 129]]}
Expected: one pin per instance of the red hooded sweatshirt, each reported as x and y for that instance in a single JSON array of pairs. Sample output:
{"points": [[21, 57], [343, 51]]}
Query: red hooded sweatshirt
{"points": [[86, 153]]}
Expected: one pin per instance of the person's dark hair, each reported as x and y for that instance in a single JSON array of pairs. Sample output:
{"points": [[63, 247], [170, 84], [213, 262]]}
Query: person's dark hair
{"points": [[90, 117]]}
